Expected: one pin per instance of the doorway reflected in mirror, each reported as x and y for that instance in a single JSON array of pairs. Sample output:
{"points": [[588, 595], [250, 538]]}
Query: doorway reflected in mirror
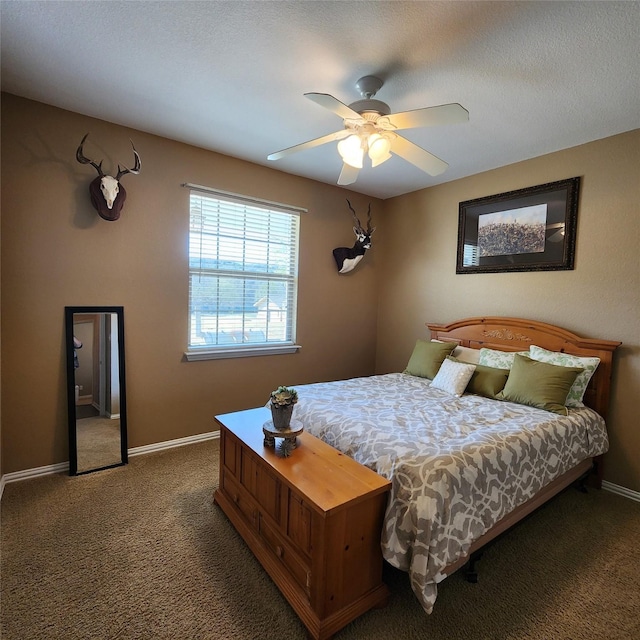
{"points": [[96, 388]]}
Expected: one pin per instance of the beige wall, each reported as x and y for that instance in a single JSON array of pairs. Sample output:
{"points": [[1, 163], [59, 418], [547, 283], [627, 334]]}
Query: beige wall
{"points": [[600, 298], [56, 251]]}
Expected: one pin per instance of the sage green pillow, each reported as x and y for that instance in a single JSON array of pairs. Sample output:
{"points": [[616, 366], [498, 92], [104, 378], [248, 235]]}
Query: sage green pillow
{"points": [[588, 366], [539, 384], [427, 358], [487, 381]]}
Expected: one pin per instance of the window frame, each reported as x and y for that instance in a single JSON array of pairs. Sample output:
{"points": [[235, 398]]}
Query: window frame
{"points": [[247, 349]]}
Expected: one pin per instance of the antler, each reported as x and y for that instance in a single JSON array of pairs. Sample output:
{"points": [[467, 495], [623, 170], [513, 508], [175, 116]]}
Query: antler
{"points": [[369, 229], [136, 168], [80, 158], [355, 217]]}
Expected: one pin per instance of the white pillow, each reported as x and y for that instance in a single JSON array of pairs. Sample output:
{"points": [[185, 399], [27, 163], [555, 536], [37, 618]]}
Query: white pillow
{"points": [[498, 359], [576, 393], [453, 377], [464, 354]]}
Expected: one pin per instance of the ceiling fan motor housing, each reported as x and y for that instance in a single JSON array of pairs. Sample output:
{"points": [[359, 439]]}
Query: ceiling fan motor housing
{"points": [[375, 106], [368, 86]]}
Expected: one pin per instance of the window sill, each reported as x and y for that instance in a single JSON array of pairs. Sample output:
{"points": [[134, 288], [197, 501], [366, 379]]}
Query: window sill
{"points": [[247, 352]]}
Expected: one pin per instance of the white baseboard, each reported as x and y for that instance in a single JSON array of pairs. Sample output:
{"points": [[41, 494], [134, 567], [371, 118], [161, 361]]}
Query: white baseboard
{"points": [[61, 467], [621, 491], [35, 472], [170, 444]]}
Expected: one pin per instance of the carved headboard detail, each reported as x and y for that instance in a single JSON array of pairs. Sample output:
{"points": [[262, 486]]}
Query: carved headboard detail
{"points": [[506, 334]]}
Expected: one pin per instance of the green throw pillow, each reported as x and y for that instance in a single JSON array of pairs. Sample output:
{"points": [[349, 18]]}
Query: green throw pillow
{"points": [[487, 381], [427, 358], [587, 366], [539, 384]]}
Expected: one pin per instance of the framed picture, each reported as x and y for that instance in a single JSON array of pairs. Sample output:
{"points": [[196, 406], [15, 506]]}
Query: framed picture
{"points": [[532, 229]]}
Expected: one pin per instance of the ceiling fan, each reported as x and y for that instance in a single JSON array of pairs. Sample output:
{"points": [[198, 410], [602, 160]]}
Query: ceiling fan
{"points": [[370, 127]]}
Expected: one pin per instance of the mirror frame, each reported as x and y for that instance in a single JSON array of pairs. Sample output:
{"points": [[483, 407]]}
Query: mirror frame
{"points": [[71, 394]]}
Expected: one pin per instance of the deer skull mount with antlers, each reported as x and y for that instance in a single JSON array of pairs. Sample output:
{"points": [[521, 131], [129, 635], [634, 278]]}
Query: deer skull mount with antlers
{"points": [[107, 194], [348, 258]]}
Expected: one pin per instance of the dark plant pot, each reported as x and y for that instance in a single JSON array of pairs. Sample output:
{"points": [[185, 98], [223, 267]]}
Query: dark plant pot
{"points": [[281, 416]]}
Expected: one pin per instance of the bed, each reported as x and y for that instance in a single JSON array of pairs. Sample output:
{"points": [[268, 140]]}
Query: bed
{"points": [[466, 467]]}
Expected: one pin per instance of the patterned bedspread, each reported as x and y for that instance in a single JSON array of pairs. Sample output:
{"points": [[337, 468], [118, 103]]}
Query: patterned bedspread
{"points": [[457, 465]]}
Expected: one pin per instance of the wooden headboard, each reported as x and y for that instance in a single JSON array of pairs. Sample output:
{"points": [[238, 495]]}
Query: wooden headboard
{"points": [[517, 334]]}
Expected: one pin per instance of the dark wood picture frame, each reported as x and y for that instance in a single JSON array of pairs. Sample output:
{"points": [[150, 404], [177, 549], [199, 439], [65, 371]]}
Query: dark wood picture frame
{"points": [[491, 239]]}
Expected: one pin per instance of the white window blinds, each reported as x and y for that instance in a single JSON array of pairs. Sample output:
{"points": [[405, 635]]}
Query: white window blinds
{"points": [[243, 263]]}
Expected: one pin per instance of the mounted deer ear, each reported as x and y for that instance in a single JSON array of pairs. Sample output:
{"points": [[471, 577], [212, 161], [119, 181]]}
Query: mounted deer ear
{"points": [[107, 194], [347, 258]]}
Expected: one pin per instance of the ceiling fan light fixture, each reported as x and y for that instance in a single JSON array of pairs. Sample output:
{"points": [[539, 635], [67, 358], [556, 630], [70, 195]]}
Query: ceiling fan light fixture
{"points": [[351, 151], [379, 148]]}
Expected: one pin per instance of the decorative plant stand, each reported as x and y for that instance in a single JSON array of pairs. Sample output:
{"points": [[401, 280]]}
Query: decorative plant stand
{"points": [[289, 442]]}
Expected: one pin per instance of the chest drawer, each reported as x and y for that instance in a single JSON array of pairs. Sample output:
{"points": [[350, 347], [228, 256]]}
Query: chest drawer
{"points": [[295, 564]]}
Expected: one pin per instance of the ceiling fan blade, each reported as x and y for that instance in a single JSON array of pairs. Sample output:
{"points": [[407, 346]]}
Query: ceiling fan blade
{"points": [[419, 157], [428, 117], [338, 135], [348, 175], [333, 104]]}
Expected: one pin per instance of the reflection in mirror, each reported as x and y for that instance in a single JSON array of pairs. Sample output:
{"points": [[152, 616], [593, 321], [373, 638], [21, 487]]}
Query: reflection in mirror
{"points": [[96, 388]]}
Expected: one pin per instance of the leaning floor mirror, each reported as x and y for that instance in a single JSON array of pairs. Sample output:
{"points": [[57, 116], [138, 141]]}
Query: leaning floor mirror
{"points": [[96, 389]]}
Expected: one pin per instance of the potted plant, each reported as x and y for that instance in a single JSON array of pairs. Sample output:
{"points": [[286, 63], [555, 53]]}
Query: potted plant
{"points": [[282, 401]]}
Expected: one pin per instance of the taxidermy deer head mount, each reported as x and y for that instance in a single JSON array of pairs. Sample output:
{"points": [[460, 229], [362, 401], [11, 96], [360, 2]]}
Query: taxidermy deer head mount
{"points": [[107, 194], [346, 258]]}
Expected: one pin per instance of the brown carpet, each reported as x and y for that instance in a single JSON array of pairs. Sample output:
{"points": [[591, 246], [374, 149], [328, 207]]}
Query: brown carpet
{"points": [[141, 552], [98, 443]]}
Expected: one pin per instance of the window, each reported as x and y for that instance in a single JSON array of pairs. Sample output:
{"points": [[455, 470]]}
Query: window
{"points": [[243, 264], [470, 257]]}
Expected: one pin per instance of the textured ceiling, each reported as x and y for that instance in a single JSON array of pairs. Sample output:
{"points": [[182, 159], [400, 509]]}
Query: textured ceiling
{"points": [[230, 76]]}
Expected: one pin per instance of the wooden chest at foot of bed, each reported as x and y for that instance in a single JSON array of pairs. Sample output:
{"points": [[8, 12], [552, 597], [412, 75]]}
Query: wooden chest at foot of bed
{"points": [[312, 519]]}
